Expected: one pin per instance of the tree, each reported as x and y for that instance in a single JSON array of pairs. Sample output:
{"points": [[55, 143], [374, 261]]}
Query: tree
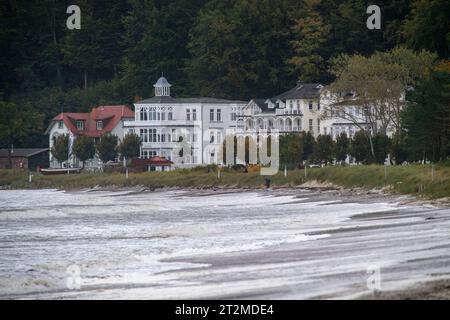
{"points": [[130, 146], [291, 150], [16, 124], [427, 26], [369, 91], [427, 118], [308, 145], [60, 148], [323, 149], [359, 147], [84, 148], [341, 147], [310, 32], [381, 145], [398, 149], [107, 147], [155, 40], [239, 48]]}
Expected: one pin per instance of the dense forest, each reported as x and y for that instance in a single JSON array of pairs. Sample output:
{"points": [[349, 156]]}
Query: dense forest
{"points": [[221, 48]]}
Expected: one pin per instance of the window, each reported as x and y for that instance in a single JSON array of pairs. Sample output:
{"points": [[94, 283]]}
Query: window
{"points": [[80, 125], [219, 137], [194, 137], [169, 115], [174, 135], [310, 125], [60, 124], [188, 114], [318, 125], [211, 137], [194, 114], [144, 135], [233, 116], [219, 115], [310, 105], [152, 135], [100, 125], [318, 105], [152, 115], [211, 114], [143, 114], [163, 116]]}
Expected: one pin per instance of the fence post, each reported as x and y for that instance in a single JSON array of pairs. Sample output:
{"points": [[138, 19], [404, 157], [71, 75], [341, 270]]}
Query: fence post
{"points": [[432, 172]]}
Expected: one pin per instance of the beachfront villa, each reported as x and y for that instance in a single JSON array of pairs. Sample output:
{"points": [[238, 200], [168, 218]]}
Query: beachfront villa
{"points": [[101, 120], [163, 121]]}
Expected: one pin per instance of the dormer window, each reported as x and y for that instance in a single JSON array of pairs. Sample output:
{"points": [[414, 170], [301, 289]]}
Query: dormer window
{"points": [[60, 124], [80, 125], [99, 125]]}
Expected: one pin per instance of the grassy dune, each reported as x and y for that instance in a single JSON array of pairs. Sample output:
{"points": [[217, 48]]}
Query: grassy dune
{"points": [[413, 179]]}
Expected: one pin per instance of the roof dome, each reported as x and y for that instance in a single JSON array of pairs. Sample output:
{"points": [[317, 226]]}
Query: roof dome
{"points": [[162, 87], [162, 82]]}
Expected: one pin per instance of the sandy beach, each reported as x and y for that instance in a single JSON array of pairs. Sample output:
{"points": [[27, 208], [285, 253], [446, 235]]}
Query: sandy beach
{"points": [[221, 244]]}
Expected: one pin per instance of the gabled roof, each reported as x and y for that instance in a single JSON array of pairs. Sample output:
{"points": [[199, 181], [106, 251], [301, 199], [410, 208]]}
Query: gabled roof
{"points": [[263, 105], [110, 115], [300, 91], [167, 99], [22, 152]]}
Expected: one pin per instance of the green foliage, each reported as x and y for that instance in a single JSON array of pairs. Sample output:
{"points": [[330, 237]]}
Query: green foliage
{"points": [[381, 145], [323, 149], [427, 26], [130, 146], [291, 150], [310, 34], [16, 125], [308, 145], [239, 48], [84, 148], [359, 147], [60, 148], [107, 147], [223, 48], [427, 118], [342, 147]]}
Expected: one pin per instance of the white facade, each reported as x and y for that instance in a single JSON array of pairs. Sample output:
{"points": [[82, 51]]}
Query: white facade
{"points": [[163, 121]]}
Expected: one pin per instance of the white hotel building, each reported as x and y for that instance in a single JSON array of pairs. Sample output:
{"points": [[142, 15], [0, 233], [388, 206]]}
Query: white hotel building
{"points": [[160, 121]]}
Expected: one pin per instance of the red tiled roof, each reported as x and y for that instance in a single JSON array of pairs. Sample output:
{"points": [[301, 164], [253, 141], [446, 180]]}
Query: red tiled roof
{"points": [[154, 161], [110, 115], [157, 160]]}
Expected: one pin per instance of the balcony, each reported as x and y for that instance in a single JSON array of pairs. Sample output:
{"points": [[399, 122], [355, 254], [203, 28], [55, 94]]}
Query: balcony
{"points": [[163, 123]]}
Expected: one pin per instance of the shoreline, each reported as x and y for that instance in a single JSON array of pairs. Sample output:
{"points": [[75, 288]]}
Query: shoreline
{"points": [[438, 288], [423, 290]]}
